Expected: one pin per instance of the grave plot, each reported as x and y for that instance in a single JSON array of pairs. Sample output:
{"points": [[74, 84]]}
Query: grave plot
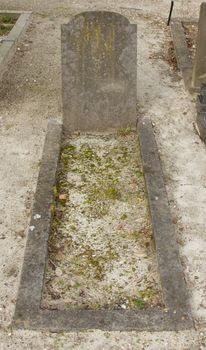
{"points": [[90, 261], [6, 24], [189, 40], [12, 26], [101, 252]]}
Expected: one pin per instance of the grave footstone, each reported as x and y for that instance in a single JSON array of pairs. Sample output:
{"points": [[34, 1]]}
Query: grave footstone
{"points": [[99, 65]]}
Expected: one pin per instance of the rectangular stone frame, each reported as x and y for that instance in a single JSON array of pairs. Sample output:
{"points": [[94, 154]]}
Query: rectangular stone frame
{"points": [[29, 314]]}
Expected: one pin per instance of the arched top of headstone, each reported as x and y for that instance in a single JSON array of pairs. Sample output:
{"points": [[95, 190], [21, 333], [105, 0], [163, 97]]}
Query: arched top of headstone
{"points": [[106, 16]]}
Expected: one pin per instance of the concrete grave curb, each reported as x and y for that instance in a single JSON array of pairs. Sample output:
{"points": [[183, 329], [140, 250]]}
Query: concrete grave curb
{"points": [[29, 314], [8, 45], [184, 59]]}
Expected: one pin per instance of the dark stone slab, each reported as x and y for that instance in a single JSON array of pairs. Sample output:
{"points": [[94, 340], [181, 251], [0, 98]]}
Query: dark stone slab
{"points": [[199, 70], [99, 65], [201, 113]]}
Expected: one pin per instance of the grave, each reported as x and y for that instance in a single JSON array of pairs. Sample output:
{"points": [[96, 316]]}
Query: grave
{"points": [[99, 94], [189, 41]]}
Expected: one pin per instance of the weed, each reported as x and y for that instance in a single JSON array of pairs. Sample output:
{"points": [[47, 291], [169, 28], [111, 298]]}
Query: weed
{"points": [[7, 19], [125, 131], [138, 303]]}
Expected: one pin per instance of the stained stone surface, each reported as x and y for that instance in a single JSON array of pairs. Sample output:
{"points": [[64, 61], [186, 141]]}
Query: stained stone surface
{"points": [[99, 51]]}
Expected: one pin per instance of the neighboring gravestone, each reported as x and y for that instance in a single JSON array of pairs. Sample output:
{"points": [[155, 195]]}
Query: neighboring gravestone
{"points": [[199, 70], [99, 68], [201, 113]]}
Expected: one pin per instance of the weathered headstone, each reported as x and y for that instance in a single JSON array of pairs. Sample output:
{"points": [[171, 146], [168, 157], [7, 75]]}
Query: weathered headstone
{"points": [[99, 65], [199, 70]]}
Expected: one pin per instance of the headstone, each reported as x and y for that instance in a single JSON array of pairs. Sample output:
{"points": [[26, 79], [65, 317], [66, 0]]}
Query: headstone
{"points": [[199, 70], [99, 65]]}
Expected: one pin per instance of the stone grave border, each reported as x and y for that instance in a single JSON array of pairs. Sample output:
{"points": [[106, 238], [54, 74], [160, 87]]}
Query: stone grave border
{"points": [[8, 45], [184, 60], [29, 315]]}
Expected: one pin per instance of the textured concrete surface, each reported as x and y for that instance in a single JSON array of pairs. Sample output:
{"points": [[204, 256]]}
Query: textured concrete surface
{"points": [[99, 51]]}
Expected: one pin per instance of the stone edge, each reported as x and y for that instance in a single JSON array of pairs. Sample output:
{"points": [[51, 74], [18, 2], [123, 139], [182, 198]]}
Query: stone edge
{"points": [[201, 114], [28, 312], [8, 45], [174, 289], [182, 52]]}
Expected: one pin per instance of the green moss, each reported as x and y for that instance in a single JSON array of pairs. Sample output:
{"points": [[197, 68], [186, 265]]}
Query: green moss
{"points": [[6, 23], [148, 294], [139, 173], [112, 193], [87, 152], [124, 217], [89, 263], [55, 192], [138, 303], [89, 259], [135, 235]]}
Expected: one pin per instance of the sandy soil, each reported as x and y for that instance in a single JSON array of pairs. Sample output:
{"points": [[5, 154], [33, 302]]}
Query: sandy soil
{"points": [[30, 94]]}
